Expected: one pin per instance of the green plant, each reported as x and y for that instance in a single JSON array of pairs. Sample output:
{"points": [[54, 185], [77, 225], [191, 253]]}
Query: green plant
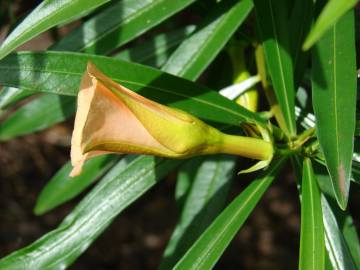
{"points": [[322, 156]]}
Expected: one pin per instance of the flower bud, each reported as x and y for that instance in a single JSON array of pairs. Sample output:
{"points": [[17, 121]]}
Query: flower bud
{"points": [[112, 118]]}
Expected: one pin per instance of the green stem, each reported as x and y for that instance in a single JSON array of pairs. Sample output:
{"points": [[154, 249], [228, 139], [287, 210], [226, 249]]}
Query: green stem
{"points": [[247, 147]]}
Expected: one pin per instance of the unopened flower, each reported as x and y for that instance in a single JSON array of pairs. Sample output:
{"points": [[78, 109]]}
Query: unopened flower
{"points": [[112, 118]]}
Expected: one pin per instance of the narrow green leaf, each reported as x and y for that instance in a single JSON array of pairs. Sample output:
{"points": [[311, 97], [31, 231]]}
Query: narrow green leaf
{"points": [[300, 23], [201, 47], [337, 248], [211, 244], [60, 73], [187, 173], [351, 236], [119, 24], [329, 16], [340, 233], [272, 19], [312, 245], [10, 95], [36, 115], [122, 185], [205, 200], [48, 14], [334, 101], [156, 50], [61, 188]]}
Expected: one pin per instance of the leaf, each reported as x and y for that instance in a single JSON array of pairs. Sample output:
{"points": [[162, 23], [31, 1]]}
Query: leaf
{"points": [[211, 244], [60, 73], [272, 21], [119, 24], [300, 23], [338, 250], [334, 101], [155, 51], [312, 245], [329, 16], [46, 15], [10, 95], [340, 232], [201, 47], [36, 115], [61, 187], [185, 178], [131, 178], [206, 198]]}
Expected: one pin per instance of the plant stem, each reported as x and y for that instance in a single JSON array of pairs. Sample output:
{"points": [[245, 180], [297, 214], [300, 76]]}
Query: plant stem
{"points": [[247, 147]]}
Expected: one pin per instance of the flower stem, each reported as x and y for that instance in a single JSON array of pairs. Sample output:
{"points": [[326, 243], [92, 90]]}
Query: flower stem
{"points": [[247, 147]]}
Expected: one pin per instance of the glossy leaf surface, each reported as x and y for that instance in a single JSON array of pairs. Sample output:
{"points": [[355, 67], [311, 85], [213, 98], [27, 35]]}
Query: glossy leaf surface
{"points": [[300, 23], [342, 241], [328, 17], [338, 250], [156, 50], [205, 200], [61, 187], [211, 244], [201, 47], [334, 101], [10, 95], [312, 245], [38, 114], [60, 73], [119, 24], [48, 14], [273, 26]]}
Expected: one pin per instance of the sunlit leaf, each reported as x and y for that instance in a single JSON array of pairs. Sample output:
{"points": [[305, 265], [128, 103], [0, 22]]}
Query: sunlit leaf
{"points": [[334, 101]]}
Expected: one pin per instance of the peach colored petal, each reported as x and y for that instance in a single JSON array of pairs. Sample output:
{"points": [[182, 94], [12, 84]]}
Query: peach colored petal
{"points": [[104, 121]]}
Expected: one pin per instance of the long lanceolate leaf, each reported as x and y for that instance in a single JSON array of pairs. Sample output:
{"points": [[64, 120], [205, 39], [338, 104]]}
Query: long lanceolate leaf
{"points": [[312, 245], [155, 51], [328, 17], [208, 248], [60, 73], [271, 16], [204, 201], [337, 248], [123, 185], [48, 14], [202, 47], [334, 101], [61, 187], [119, 24], [342, 241], [300, 22], [37, 114]]}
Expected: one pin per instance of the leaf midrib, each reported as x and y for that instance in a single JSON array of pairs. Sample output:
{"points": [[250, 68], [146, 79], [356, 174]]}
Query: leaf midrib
{"points": [[287, 115], [127, 187], [198, 263], [136, 84], [336, 120]]}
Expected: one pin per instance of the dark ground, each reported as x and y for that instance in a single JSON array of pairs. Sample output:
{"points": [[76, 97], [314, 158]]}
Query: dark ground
{"points": [[268, 240]]}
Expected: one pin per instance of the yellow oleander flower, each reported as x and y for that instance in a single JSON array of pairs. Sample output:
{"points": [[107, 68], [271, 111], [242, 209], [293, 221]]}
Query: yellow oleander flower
{"points": [[112, 118]]}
